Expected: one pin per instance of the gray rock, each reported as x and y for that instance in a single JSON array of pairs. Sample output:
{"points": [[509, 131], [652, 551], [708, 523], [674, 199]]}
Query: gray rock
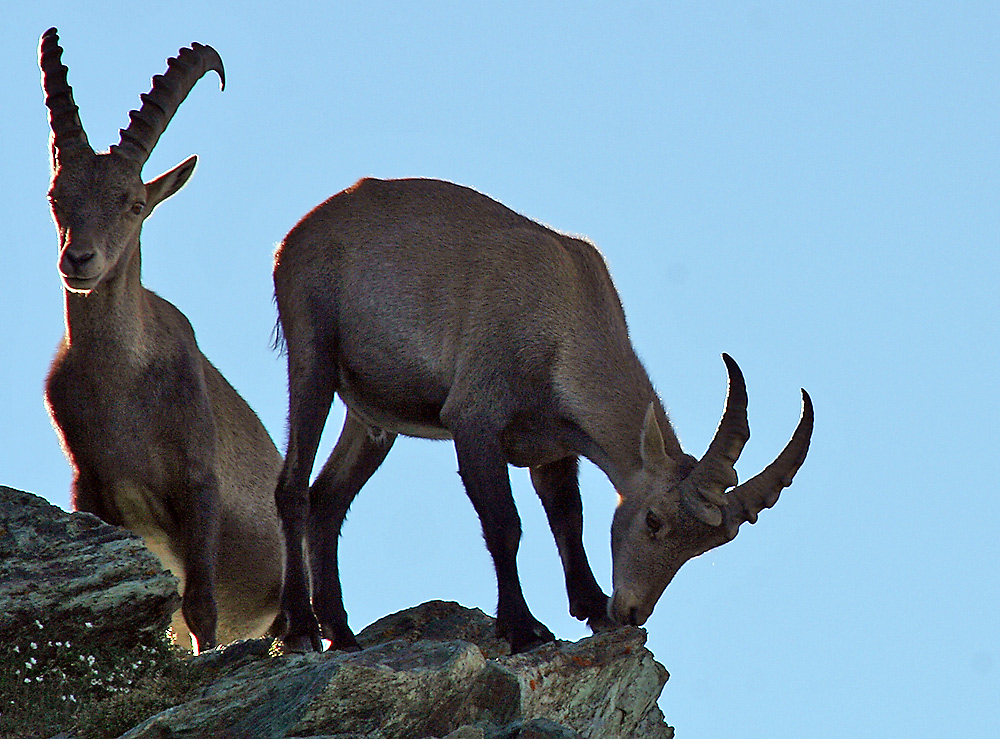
{"points": [[434, 671], [603, 687], [259, 698], [438, 620], [537, 728], [72, 569]]}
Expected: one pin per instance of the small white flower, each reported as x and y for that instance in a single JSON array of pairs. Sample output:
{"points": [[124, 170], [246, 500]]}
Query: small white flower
{"points": [[17, 649], [88, 625], [34, 646], [39, 624]]}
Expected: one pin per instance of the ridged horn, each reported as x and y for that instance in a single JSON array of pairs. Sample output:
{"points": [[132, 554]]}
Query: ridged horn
{"points": [[703, 492], [64, 115], [161, 102], [761, 491]]}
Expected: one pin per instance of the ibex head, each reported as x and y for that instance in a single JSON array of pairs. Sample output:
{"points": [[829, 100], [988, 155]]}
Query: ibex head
{"points": [[99, 201], [673, 510]]}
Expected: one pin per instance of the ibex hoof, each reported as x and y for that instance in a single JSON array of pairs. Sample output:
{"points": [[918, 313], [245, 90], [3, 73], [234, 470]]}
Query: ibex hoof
{"points": [[526, 639], [302, 644], [601, 623], [342, 641]]}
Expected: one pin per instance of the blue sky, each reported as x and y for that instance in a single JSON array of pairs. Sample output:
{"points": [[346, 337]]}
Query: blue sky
{"points": [[810, 187]]}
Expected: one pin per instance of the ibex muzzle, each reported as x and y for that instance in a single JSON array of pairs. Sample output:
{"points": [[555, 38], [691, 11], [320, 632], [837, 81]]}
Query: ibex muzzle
{"points": [[158, 440], [435, 311]]}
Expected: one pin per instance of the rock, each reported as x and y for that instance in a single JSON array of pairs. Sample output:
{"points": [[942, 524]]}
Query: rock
{"points": [[412, 687], [602, 686], [433, 671], [438, 621], [72, 569]]}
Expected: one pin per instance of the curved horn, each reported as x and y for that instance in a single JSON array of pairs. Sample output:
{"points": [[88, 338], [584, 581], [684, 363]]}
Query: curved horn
{"points": [[161, 102], [704, 490], [761, 491], [64, 115]]}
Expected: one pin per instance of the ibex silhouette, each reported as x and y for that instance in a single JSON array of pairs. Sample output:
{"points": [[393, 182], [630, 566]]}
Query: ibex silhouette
{"points": [[159, 442], [435, 311]]}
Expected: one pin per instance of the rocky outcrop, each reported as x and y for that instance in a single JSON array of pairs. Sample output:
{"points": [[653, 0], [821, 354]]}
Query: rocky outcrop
{"points": [[405, 685], [74, 570], [436, 670]]}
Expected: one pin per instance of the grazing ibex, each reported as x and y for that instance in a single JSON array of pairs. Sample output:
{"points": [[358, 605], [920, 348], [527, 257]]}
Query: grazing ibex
{"points": [[159, 442], [434, 311]]}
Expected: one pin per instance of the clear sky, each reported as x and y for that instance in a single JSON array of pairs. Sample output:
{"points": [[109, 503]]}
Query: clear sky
{"points": [[810, 187]]}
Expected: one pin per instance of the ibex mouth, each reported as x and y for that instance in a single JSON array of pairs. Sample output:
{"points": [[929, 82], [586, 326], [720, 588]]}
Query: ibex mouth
{"points": [[79, 284], [626, 611]]}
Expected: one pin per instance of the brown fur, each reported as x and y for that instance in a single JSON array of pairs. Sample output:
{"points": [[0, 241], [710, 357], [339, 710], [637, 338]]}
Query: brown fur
{"points": [[159, 442], [435, 311]]}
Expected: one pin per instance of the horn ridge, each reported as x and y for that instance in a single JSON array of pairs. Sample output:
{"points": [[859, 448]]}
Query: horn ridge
{"points": [[704, 493], [64, 115], [761, 491], [168, 91]]}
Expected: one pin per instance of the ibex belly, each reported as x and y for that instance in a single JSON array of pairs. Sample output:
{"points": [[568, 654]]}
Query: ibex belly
{"points": [[393, 419]]}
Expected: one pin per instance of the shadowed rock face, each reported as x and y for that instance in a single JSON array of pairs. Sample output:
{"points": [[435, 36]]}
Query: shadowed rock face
{"points": [[436, 670], [423, 673], [73, 569]]}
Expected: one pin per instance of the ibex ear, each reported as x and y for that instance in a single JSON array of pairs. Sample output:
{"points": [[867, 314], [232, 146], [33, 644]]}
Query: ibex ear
{"points": [[651, 449], [169, 182]]}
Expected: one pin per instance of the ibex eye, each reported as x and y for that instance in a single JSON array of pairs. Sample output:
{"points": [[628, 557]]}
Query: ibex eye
{"points": [[653, 523], [137, 208]]}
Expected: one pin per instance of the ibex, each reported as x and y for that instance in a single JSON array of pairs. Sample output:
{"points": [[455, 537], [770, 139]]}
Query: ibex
{"points": [[435, 311], [159, 442]]}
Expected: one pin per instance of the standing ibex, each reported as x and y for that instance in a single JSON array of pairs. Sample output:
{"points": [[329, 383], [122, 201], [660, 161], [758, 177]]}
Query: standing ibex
{"points": [[435, 311], [159, 442]]}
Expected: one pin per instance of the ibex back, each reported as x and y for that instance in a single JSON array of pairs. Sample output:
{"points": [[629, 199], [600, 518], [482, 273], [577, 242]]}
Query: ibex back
{"points": [[159, 442], [435, 311]]}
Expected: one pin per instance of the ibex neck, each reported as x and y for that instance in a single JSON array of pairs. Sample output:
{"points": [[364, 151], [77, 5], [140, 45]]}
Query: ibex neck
{"points": [[611, 415], [618, 440], [112, 314]]}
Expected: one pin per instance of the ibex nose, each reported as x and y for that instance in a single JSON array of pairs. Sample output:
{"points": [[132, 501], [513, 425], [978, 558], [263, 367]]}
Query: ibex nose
{"points": [[621, 611], [78, 260], [79, 268]]}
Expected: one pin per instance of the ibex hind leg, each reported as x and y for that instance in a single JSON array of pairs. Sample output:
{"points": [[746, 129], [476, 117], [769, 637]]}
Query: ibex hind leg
{"points": [[358, 453], [558, 488], [483, 469], [311, 387]]}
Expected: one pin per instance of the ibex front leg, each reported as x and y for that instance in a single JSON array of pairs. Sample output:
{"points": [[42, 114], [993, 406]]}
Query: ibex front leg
{"points": [[559, 490], [202, 546], [483, 469]]}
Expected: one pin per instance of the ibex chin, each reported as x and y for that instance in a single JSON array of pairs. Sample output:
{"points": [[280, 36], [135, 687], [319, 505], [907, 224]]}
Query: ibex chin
{"points": [[159, 442], [434, 311]]}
